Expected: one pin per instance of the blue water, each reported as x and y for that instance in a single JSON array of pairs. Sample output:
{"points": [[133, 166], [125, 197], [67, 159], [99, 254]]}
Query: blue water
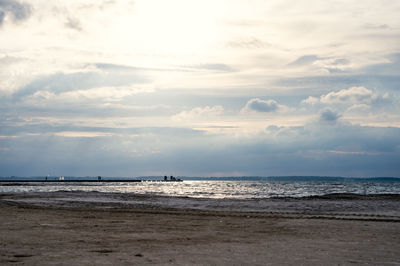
{"points": [[219, 189]]}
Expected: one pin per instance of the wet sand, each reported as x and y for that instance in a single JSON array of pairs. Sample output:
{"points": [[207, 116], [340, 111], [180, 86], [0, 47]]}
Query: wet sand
{"points": [[79, 229]]}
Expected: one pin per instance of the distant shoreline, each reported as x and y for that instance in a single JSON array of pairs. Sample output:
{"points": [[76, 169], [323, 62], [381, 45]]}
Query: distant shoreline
{"points": [[191, 178]]}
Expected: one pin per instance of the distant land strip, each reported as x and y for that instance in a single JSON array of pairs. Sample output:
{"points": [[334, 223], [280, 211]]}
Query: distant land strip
{"points": [[194, 178]]}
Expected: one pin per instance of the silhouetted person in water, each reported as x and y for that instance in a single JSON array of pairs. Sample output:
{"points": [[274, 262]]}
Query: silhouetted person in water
{"points": [[165, 178], [173, 178]]}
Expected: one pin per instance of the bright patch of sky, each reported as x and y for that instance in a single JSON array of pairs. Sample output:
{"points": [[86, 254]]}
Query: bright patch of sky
{"points": [[154, 87]]}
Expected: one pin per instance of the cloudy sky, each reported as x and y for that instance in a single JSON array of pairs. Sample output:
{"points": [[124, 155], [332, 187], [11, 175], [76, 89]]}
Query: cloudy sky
{"points": [[200, 88]]}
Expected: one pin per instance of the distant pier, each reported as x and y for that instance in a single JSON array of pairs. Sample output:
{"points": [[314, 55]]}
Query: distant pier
{"points": [[83, 181], [13, 181]]}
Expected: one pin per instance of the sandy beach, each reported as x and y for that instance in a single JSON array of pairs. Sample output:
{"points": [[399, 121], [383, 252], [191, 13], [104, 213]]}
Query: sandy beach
{"points": [[67, 228]]}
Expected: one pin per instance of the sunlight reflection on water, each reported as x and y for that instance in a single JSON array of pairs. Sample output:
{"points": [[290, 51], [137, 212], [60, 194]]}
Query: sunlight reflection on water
{"points": [[217, 189]]}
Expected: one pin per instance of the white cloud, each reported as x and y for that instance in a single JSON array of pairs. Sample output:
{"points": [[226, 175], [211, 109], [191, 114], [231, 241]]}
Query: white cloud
{"points": [[322, 64], [15, 72], [353, 95], [7, 137], [356, 108], [350, 95], [310, 100], [199, 112], [109, 93], [80, 134]]}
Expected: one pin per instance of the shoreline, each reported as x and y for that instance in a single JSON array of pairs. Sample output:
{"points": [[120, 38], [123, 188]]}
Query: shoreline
{"points": [[340, 206]]}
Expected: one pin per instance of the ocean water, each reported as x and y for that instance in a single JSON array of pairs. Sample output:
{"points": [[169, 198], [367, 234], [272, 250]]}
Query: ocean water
{"points": [[216, 189]]}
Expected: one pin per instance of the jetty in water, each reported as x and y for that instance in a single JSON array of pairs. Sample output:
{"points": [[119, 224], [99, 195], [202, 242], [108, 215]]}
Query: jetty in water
{"points": [[99, 179]]}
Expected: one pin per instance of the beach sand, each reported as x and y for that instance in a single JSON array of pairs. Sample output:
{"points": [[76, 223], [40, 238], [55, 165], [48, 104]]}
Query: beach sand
{"points": [[37, 229]]}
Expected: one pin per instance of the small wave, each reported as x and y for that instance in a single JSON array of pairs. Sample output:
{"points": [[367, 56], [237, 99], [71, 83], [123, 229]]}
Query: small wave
{"points": [[350, 196]]}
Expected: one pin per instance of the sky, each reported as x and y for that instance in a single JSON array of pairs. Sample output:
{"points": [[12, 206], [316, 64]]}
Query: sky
{"points": [[200, 88]]}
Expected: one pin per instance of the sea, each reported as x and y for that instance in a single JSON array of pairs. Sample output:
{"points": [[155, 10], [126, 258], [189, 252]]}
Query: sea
{"points": [[214, 187]]}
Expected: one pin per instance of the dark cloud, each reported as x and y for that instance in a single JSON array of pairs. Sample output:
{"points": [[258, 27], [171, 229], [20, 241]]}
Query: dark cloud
{"points": [[248, 43], [9, 60], [211, 66], [50, 128], [370, 26], [330, 64], [305, 60], [259, 105], [379, 75], [340, 61], [221, 127], [115, 67], [125, 68], [185, 68], [73, 23], [391, 68], [340, 81], [328, 115], [15, 10]]}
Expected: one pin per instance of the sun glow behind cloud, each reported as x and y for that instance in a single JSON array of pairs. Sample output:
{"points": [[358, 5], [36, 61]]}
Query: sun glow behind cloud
{"points": [[164, 33]]}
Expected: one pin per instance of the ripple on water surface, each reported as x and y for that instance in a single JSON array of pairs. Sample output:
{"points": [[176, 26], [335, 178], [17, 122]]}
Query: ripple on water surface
{"points": [[217, 189]]}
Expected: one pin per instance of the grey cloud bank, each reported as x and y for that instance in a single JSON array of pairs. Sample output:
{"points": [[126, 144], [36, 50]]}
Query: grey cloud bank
{"points": [[345, 150]]}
